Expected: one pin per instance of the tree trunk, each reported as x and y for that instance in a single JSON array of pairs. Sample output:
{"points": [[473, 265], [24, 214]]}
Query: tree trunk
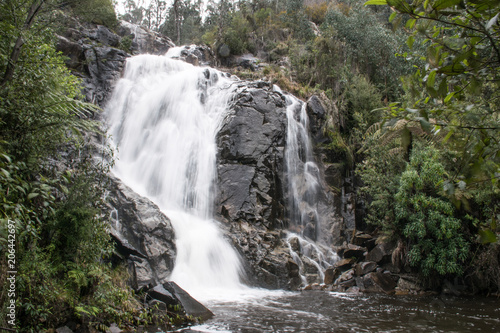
{"points": [[177, 21], [16, 51]]}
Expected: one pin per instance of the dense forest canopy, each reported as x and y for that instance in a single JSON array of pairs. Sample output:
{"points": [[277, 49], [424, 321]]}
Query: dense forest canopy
{"points": [[413, 92]]}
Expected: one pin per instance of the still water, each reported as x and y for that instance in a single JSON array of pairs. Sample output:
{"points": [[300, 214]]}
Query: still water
{"points": [[317, 311]]}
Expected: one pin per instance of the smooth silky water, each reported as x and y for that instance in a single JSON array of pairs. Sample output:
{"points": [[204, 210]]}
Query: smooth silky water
{"points": [[163, 118]]}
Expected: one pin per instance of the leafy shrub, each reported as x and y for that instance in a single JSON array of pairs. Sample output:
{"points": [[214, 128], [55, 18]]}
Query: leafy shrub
{"points": [[96, 11], [437, 244]]}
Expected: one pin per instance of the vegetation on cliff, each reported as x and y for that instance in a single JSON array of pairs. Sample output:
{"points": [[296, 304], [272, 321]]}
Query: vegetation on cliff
{"points": [[413, 94], [53, 235]]}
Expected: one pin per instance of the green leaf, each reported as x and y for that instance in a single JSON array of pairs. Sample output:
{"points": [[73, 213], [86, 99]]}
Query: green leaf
{"points": [[492, 21], [33, 195], [405, 138], [393, 15], [426, 126], [442, 4], [487, 236], [431, 78], [450, 96], [5, 172], [400, 5], [376, 2], [410, 41]]}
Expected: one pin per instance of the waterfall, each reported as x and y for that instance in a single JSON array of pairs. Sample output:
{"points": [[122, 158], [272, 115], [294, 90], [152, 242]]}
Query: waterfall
{"points": [[163, 116], [303, 196]]}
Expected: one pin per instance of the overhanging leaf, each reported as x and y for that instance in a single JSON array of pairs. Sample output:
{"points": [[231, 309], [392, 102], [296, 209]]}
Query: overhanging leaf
{"points": [[487, 236], [376, 2], [492, 21], [442, 4]]}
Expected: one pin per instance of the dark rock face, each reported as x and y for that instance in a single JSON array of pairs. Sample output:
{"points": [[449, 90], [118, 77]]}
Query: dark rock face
{"points": [[251, 183], [251, 150], [94, 53], [197, 55], [143, 234], [143, 40], [172, 295], [317, 117]]}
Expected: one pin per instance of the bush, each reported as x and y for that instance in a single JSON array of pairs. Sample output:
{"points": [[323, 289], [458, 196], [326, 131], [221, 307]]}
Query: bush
{"points": [[96, 11], [435, 238]]}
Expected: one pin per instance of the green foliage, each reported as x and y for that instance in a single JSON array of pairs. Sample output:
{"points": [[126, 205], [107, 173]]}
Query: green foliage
{"points": [[236, 35], [437, 244], [455, 95], [190, 22], [96, 11], [369, 45], [380, 171], [51, 185]]}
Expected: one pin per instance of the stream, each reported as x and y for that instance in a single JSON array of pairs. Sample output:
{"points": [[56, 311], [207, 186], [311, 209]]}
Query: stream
{"points": [[319, 311]]}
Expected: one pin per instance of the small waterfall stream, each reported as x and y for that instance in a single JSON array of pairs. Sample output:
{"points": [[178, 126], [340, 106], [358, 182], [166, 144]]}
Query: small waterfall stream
{"points": [[303, 197], [163, 116]]}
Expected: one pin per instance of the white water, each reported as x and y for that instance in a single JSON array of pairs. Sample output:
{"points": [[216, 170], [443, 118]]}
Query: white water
{"points": [[164, 115], [303, 189], [302, 171]]}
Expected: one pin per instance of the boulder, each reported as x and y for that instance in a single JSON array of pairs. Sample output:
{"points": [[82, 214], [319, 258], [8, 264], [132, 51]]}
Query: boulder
{"points": [[317, 116], [331, 274], [143, 234], [73, 51], [365, 267], [409, 283], [344, 264], [354, 251], [362, 239], [144, 40], [380, 254], [384, 281], [173, 295], [377, 282]]}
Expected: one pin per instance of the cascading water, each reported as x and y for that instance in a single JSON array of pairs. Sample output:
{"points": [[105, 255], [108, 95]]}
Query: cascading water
{"points": [[163, 116], [303, 195]]}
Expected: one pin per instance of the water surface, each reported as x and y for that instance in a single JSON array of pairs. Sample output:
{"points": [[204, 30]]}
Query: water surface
{"points": [[318, 311]]}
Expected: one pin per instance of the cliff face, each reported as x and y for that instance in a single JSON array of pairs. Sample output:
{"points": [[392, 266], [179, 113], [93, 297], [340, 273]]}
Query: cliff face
{"points": [[252, 185]]}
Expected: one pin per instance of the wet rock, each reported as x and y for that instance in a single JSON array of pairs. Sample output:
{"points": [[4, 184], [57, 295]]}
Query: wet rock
{"points": [[317, 116], [293, 269], [408, 283], [295, 244], [384, 281], [104, 65], [145, 235], [344, 264], [144, 40], [354, 251], [366, 267], [313, 286], [64, 329], [362, 239], [344, 277], [113, 328], [331, 274], [251, 144], [173, 295], [73, 51], [380, 254]]}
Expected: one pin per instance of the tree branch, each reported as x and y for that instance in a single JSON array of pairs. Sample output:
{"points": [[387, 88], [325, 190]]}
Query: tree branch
{"points": [[16, 52]]}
